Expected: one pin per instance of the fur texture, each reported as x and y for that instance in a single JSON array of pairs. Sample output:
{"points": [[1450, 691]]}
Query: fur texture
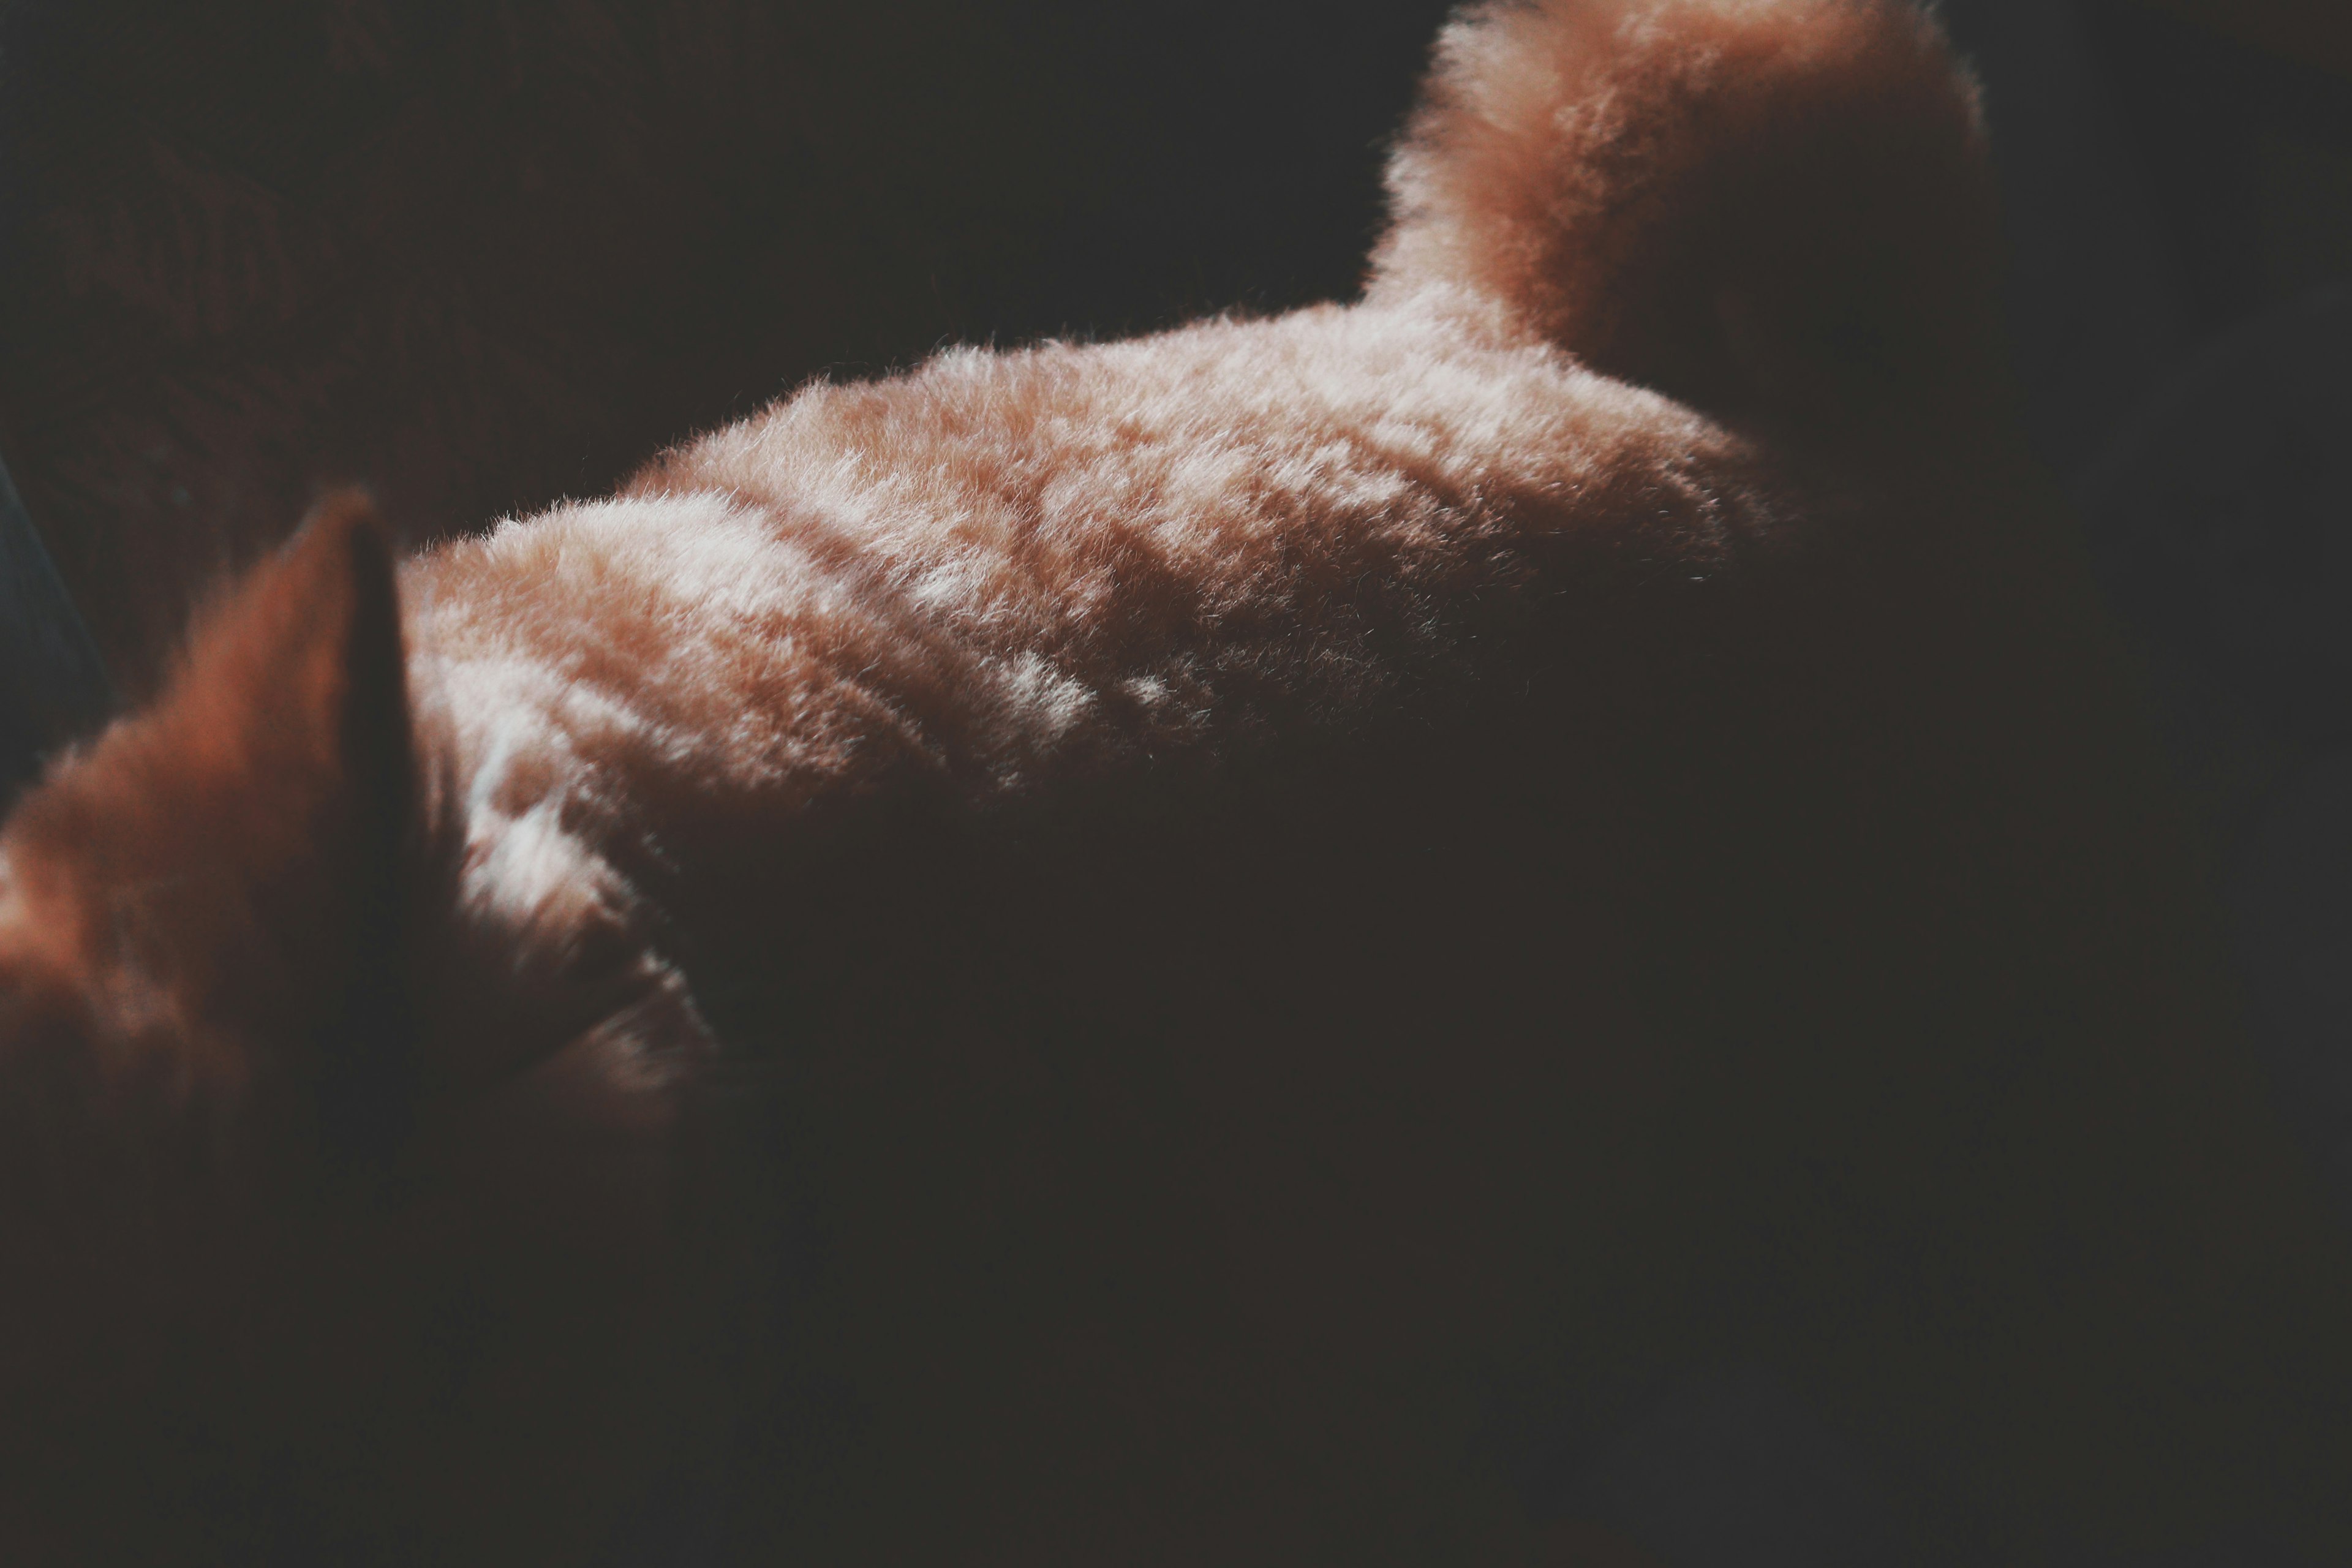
{"points": [[1280, 896], [1766, 213]]}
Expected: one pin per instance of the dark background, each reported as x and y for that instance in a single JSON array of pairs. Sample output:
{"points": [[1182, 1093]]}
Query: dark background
{"points": [[481, 255]]}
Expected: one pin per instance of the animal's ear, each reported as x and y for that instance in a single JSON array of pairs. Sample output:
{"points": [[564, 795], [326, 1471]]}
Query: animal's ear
{"points": [[244, 848]]}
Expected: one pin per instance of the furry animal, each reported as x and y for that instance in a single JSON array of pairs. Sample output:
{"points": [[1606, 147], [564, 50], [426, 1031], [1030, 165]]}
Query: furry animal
{"points": [[1185, 950]]}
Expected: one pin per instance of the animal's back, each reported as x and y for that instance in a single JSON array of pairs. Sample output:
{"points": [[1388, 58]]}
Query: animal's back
{"points": [[1008, 573]]}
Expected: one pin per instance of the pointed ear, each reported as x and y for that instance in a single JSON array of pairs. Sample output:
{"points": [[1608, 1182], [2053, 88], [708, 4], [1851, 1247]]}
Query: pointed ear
{"points": [[304, 670], [245, 848]]}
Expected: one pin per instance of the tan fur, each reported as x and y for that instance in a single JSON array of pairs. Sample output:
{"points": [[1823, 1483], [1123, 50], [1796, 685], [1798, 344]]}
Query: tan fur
{"points": [[1010, 572], [1694, 196], [1272, 894]]}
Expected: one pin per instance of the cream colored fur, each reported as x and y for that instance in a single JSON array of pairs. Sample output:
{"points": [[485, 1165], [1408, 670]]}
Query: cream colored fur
{"points": [[1007, 572]]}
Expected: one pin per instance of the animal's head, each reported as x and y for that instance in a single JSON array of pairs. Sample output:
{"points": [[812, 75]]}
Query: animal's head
{"points": [[320, 1243]]}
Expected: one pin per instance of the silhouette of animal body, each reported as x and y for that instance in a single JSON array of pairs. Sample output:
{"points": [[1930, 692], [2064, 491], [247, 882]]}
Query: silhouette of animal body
{"points": [[1170, 951]]}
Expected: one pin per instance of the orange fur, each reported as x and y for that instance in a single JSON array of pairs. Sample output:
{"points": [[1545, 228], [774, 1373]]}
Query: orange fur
{"points": [[1770, 211], [1277, 889]]}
